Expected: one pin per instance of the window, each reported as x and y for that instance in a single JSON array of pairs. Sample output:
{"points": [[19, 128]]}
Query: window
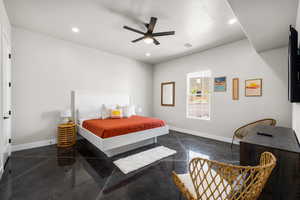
{"points": [[199, 95]]}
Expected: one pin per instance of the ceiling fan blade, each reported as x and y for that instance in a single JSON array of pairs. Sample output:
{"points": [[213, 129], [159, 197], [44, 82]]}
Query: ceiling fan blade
{"points": [[155, 41], [152, 24], [163, 33], [136, 40], [134, 30]]}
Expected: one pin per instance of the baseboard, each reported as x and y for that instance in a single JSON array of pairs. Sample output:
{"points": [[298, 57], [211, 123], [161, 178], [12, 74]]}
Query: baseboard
{"points": [[205, 135], [32, 145], [42, 143]]}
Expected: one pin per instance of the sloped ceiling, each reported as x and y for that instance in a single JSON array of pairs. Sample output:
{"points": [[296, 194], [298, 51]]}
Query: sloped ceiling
{"points": [[266, 22]]}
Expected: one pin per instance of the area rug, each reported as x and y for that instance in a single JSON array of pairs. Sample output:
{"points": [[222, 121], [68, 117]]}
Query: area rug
{"points": [[142, 159]]}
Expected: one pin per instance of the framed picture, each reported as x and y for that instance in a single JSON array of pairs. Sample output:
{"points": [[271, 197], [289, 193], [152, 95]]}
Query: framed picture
{"points": [[253, 87], [235, 89], [220, 84], [168, 94]]}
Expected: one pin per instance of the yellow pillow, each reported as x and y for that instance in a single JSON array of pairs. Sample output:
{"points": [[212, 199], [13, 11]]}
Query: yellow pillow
{"points": [[116, 113]]}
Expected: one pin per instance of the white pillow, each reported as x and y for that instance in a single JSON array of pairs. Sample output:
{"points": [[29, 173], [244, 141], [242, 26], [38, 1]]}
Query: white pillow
{"points": [[128, 111], [105, 111], [132, 109]]}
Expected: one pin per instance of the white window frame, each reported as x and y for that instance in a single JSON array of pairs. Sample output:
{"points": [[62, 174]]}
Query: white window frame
{"points": [[203, 73]]}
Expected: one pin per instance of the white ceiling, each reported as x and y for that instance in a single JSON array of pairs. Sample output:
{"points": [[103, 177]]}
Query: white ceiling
{"points": [[266, 22], [202, 23]]}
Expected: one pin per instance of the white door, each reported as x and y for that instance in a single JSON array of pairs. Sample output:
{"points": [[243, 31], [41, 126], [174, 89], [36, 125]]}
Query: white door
{"points": [[6, 97]]}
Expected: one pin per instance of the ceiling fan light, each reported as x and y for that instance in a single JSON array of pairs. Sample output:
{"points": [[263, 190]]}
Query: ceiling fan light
{"points": [[75, 29], [148, 40], [232, 21]]}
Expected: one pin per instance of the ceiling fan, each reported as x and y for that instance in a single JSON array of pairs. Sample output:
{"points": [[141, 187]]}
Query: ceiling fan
{"points": [[149, 36]]}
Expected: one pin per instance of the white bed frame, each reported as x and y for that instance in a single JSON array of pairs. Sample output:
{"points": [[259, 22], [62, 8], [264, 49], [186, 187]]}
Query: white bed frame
{"points": [[113, 145]]}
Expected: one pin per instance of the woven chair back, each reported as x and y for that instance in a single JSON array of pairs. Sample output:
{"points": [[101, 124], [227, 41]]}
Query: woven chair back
{"points": [[214, 180]]}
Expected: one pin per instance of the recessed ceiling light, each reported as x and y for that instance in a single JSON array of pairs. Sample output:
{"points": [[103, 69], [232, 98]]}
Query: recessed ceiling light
{"points": [[75, 30], [148, 40], [232, 21], [148, 54]]}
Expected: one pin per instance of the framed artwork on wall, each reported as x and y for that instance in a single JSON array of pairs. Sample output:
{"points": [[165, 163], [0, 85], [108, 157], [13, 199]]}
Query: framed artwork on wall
{"points": [[253, 87], [168, 94], [235, 89], [220, 84]]}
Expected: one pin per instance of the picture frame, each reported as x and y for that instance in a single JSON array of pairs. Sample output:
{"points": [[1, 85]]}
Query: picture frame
{"points": [[253, 87], [168, 94], [220, 84], [235, 89]]}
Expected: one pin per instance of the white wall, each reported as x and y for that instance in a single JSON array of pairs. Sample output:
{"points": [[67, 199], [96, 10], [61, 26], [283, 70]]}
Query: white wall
{"points": [[4, 21], [296, 106], [45, 70], [233, 60]]}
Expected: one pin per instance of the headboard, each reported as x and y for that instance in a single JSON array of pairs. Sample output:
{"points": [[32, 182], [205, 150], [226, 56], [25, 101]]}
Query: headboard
{"points": [[85, 99]]}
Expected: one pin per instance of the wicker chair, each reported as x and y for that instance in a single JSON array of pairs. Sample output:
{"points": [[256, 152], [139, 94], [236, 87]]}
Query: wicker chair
{"points": [[241, 132], [212, 180]]}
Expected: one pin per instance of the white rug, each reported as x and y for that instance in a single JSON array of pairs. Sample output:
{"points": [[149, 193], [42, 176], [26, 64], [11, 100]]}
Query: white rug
{"points": [[142, 159]]}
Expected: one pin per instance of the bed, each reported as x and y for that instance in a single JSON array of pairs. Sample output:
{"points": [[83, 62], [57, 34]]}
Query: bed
{"points": [[113, 137]]}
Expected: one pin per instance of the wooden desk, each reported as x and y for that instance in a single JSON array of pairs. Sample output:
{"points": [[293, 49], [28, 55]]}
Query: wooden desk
{"points": [[284, 183]]}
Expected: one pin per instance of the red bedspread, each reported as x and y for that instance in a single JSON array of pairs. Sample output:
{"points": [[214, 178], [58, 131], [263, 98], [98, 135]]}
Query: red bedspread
{"points": [[106, 128]]}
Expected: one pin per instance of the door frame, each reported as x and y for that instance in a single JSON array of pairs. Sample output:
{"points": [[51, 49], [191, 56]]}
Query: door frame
{"points": [[6, 146]]}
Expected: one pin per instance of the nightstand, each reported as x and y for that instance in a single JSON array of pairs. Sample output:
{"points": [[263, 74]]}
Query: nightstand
{"points": [[66, 135]]}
